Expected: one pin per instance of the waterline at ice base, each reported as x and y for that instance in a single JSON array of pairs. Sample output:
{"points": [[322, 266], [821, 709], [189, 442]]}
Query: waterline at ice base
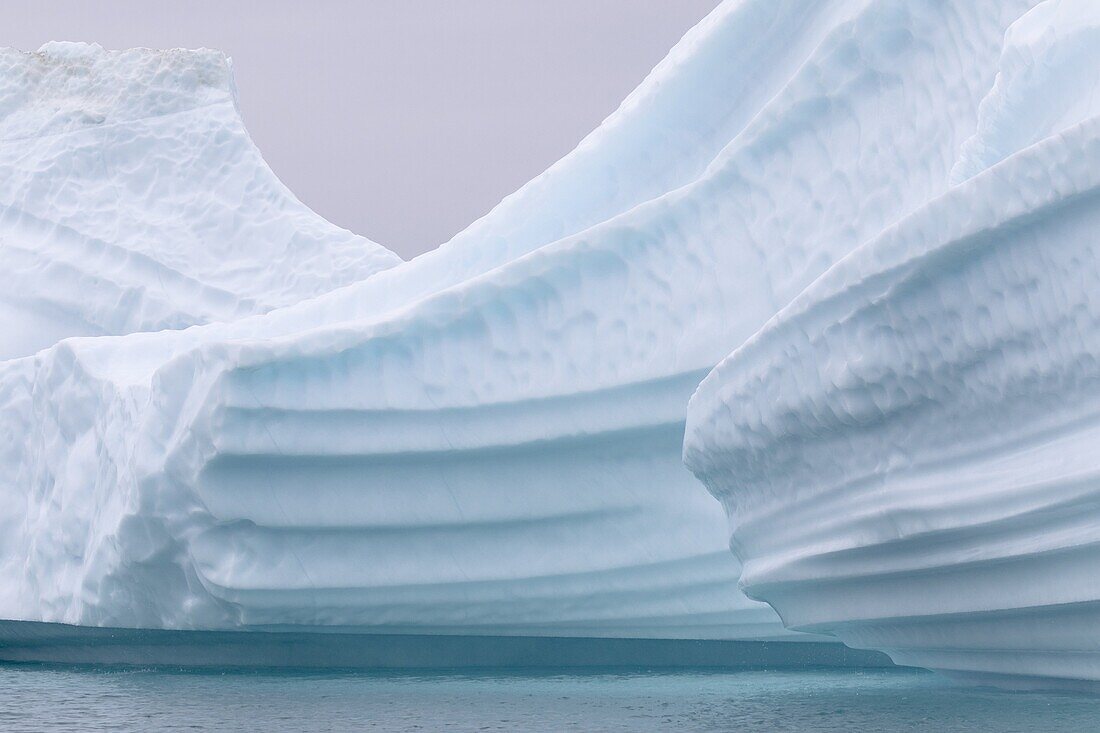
{"points": [[261, 422]]}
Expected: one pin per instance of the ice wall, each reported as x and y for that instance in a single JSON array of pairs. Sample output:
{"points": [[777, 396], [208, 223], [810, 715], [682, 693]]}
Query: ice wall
{"points": [[907, 452]]}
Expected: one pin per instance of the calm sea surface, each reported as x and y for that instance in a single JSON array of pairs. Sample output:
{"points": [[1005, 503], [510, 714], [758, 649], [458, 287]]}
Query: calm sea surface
{"points": [[48, 699]]}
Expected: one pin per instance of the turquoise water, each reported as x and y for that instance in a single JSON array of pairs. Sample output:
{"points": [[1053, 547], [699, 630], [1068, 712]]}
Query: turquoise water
{"points": [[51, 698]]}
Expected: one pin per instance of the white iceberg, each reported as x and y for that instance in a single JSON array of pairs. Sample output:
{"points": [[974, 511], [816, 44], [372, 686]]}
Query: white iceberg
{"points": [[487, 439], [907, 452]]}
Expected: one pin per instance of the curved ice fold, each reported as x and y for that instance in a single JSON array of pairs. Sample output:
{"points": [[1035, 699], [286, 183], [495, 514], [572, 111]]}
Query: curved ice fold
{"points": [[907, 452], [1048, 81], [132, 199], [487, 439]]}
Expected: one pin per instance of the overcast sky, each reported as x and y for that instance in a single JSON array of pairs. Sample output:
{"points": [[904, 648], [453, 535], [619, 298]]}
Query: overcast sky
{"points": [[402, 120]]}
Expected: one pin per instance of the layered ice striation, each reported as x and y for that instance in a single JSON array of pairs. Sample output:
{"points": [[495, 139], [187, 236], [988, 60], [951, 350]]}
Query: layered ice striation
{"points": [[487, 439], [907, 452], [132, 199]]}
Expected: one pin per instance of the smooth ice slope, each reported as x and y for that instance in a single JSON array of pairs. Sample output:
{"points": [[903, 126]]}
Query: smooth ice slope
{"points": [[132, 199], [487, 439], [908, 452]]}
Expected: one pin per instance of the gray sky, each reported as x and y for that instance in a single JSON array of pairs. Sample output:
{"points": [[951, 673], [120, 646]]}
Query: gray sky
{"points": [[402, 120]]}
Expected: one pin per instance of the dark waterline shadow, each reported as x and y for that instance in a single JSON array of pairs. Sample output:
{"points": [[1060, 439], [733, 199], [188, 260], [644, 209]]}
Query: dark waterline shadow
{"points": [[23, 641]]}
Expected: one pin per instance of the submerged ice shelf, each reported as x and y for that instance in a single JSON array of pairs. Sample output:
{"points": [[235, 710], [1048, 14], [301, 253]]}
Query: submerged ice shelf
{"points": [[907, 452], [488, 439]]}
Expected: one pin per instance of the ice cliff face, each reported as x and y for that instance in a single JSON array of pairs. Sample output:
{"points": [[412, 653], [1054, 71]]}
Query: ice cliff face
{"points": [[907, 451], [132, 199], [487, 439]]}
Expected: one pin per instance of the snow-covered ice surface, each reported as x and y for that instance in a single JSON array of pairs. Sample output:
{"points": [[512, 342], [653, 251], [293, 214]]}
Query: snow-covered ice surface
{"points": [[487, 439], [907, 452], [132, 199]]}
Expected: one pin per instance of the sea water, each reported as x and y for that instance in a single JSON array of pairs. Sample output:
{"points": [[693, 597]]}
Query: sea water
{"points": [[41, 698]]}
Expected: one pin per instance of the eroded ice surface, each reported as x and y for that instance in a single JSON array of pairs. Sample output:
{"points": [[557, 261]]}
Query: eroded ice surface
{"points": [[132, 199], [487, 439], [908, 451]]}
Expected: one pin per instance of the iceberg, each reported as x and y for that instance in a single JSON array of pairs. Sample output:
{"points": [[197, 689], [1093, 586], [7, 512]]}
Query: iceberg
{"points": [[906, 452], [486, 439]]}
